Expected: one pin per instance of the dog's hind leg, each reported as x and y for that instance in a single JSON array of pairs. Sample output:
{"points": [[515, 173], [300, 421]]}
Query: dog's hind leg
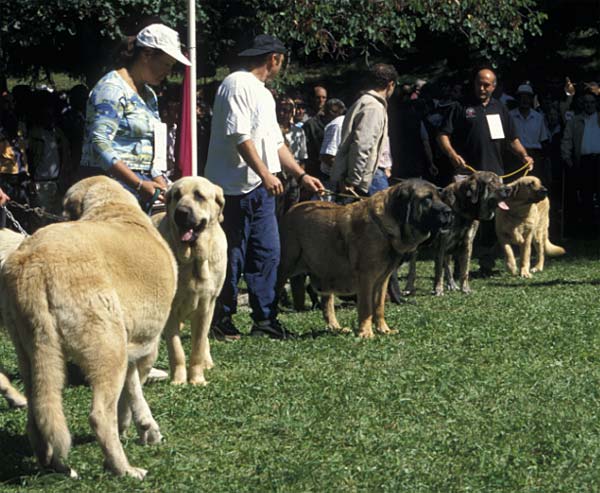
{"points": [[379, 295], [200, 358], [47, 425], [298, 291], [175, 350], [539, 242], [12, 395], [449, 274], [438, 283]]}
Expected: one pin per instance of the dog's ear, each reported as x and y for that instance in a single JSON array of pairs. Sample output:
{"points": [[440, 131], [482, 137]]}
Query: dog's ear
{"points": [[473, 190], [168, 195], [401, 206], [448, 196], [220, 200]]}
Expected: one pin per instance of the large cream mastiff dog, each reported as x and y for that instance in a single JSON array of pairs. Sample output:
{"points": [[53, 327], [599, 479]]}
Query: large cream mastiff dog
{"points": [[96, 291], [192, 228]]}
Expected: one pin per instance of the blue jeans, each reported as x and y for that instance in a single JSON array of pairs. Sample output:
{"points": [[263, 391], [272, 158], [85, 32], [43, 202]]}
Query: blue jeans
{"points": [[252, 250], [380, 182]]}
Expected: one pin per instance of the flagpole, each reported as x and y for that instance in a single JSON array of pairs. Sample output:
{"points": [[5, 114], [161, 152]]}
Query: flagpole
{"points": [[192, 87]]}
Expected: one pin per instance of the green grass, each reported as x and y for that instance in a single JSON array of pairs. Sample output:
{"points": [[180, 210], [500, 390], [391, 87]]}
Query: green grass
{"points": [[496, 391]]}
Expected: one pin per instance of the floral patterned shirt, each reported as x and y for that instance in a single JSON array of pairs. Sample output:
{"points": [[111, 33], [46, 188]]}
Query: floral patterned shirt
{"points": [[120, 125]]}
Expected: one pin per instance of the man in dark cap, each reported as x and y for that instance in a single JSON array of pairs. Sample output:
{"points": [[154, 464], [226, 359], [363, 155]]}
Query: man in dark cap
{"points": [[245, 152]]}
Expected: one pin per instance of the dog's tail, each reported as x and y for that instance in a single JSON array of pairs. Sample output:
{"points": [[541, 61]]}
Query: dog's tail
{"points": [[553, 250], [9, 242]]}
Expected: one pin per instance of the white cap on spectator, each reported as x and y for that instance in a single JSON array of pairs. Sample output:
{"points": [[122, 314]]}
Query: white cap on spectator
{"points": [[525, 89], [162, 38]]}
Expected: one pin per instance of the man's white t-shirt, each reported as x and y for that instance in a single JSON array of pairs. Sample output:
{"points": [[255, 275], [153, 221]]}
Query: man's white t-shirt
{"points": [[244, 109]]}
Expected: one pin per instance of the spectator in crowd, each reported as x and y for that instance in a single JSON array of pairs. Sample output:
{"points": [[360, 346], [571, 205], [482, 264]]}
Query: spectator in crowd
{"points": [[246, 150], [418, 87], [356, 167], [334, 110], [72, 123], [170, 112], [532, 132], [580, 150], [300, 115], [124, 135], [319, 97], [49, 153], [295, 139], [474, 134], [4, 198], [314, 129]]}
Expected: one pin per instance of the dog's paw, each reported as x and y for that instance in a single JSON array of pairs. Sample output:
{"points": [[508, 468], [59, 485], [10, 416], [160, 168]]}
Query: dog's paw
{"points": [[438, 292], [152, 436], [526, 274], [537, 269], [408, 292], [179, 376], [198, 380], [339, 330], [366, 334], [386, 331], [136, 472], [16, 400]]}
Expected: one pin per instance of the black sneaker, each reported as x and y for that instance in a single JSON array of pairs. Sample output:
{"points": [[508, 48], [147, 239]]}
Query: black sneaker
{"points": [[225, 330], [272, 329]]}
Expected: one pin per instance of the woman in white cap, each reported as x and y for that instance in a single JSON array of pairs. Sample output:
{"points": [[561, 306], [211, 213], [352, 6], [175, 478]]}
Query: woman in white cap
{"points": [[124, 135]]}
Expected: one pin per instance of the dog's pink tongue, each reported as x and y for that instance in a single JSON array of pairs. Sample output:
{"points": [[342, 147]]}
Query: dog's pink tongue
{"points": [[187, 236], [503, 205]]}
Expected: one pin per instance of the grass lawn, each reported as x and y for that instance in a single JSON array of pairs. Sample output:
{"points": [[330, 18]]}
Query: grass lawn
{"points": [[496, 391]]}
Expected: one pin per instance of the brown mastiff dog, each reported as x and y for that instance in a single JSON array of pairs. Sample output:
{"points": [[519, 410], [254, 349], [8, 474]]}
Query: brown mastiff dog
{"points": [[353, 249], [526, 222], [472, 200]]}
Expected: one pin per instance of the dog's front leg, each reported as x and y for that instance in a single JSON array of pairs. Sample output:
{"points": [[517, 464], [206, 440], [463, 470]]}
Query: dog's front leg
{"points": [[449, 275], [175, 350], [526, 256], [509, 256], [200, 359], [366, 297], [438, 282], [379, 303], [412, 275], [328, 308]]}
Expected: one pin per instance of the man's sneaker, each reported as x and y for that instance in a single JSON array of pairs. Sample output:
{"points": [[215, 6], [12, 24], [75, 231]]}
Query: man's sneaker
{"points": [[157, 375], [225, 330], [272, 329]]}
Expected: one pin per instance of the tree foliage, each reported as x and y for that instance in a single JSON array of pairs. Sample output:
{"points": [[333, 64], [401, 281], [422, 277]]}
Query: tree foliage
{"points": [[73, 35]]}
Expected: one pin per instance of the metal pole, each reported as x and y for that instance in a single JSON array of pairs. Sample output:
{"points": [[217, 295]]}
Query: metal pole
{"points": [[192, 95]]}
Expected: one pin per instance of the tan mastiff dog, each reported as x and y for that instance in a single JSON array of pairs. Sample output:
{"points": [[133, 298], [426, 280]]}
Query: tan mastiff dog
{"points": [[526, 223], [96, 291], [192, 228], [353, 249]]}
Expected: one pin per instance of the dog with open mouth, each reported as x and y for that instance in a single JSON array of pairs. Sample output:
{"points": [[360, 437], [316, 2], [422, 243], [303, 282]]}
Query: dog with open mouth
{"points": [[353, 249], [472, 200], [526, 222], [192, 227]]}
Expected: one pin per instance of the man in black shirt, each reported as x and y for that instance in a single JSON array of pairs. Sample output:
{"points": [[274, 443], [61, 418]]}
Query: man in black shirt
{"points": [[476, 133], [480, 130]]}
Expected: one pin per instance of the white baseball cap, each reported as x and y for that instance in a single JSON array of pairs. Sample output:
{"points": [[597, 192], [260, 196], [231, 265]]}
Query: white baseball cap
{"points": [[162, 38]]}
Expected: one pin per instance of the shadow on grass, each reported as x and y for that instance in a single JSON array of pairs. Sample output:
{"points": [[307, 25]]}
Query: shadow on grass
{"points": [[553, 282], [17, 456]]}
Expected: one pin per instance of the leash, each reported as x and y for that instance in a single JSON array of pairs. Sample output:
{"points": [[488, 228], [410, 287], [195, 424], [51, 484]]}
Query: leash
{"points": [[508, 175], [14, 221], [354, 195]]}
